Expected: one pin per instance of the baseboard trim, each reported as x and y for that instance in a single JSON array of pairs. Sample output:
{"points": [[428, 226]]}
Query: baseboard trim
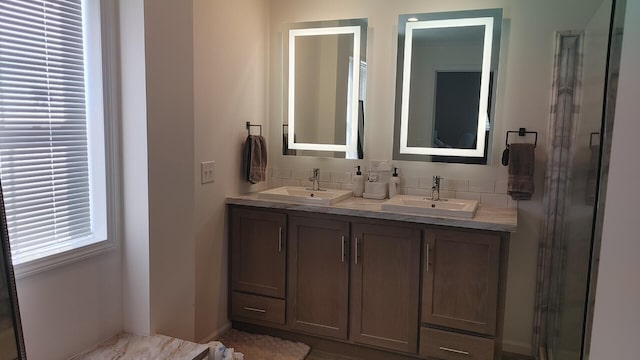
{"points": [[216, 334], [516, 347]]}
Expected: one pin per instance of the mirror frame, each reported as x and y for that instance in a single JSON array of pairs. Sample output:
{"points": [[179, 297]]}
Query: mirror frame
{"points": [[332, 27], [491, 20]]}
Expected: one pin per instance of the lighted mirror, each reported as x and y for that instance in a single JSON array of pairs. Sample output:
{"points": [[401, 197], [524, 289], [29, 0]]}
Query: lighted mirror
{"points": [[445, 85], [324, 85]]}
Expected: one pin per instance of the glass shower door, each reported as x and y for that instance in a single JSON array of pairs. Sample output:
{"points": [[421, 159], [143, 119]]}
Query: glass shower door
{"points": [[587, 126]]}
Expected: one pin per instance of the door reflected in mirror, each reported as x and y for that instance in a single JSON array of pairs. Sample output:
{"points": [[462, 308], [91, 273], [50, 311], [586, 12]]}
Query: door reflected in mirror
{"points": [[445, 80], [324, 85]]}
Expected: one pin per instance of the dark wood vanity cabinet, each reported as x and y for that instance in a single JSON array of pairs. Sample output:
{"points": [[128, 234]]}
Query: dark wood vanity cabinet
{"points": [[460, 281], [461, 292], [385, 280], [372, 276], [430, 291], [258, 264], [318, 300]]}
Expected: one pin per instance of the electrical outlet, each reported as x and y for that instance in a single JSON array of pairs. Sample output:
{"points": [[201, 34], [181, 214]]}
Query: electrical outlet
{"points": [[380, 165], [207, 172]]}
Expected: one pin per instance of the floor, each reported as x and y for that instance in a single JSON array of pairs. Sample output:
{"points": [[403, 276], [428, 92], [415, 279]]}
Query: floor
{"points": [[321, 355], [134, 347]]}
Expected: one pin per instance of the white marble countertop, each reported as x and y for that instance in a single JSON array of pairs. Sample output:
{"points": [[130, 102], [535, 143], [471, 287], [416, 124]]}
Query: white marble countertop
{"points": [[486, 218]]}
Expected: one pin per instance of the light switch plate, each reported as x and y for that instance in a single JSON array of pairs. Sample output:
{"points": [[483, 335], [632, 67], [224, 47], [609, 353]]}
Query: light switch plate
{"points": [[207, 172]]}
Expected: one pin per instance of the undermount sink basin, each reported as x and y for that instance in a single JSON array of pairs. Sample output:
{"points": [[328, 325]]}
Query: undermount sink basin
{"points": [[425, 206], [301, 195]]}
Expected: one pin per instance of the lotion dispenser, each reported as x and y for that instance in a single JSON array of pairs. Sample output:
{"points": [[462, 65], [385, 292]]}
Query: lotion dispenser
{"points": [[394, 183], [358, 183]]}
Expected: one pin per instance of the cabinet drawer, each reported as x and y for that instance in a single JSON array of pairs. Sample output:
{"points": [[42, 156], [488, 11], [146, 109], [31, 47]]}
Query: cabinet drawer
{"points": [[451, 346], [245, 306]]}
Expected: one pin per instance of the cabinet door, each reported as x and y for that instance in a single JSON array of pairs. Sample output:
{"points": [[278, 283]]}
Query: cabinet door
{"points": [[385, 280], [460, 288], [258, 251], [318, 276]]}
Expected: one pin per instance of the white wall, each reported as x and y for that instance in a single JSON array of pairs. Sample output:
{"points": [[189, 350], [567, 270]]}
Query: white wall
{"points": [[168, 28], [523, 100], [229, 66], [71, 308], [135, 192], [616, 324]]}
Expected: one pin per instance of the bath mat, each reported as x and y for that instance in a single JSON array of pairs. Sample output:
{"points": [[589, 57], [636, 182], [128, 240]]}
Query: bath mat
{"points": [[264, 347]]}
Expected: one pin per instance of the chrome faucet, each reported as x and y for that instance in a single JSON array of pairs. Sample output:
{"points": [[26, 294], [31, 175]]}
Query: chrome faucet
{"points": [[315, 179], [435, 189]]}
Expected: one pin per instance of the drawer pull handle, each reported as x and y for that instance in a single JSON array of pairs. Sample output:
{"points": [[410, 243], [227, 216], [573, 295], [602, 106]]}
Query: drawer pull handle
{"points": [[343, 250], [262, 311], [357, 255], [454, 350], [280, 239]]}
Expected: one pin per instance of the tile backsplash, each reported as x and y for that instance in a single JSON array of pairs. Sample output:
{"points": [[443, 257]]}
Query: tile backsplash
{"points": [[487, 192]]}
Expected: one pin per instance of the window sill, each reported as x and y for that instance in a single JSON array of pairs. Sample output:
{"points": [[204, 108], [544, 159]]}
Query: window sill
{"points": [[64, 258]]}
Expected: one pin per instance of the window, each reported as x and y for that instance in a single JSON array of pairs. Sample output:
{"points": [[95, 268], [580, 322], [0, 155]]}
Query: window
{"points": [[52, 130]]}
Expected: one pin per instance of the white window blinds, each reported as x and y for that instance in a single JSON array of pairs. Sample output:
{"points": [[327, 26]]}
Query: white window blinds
{"points": [[44, 156]]}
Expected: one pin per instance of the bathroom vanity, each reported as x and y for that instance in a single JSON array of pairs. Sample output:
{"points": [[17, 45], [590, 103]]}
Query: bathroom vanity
{"points": [[421, 286]]}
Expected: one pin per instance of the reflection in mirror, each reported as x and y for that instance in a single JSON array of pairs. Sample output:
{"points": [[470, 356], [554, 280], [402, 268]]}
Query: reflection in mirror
{"points": [[447, 64], [324, 87]]}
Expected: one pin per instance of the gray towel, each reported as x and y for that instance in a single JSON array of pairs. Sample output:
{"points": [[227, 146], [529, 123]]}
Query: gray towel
{"points": [[255, 158], [521, 166]]}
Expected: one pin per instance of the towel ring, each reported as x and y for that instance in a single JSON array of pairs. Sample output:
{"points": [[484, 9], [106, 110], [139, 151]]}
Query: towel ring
{"points": [[249, 126], [521, 132]]}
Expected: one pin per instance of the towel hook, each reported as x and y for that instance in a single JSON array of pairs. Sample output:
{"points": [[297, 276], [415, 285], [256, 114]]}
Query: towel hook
{"points": [[249, 128]]}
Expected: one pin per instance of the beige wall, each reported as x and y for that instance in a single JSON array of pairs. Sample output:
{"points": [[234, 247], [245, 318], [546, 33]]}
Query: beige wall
{"points": [[616, 321], [523, 98], [229, 82], [71, 308], [168, 29], [135, 193]]}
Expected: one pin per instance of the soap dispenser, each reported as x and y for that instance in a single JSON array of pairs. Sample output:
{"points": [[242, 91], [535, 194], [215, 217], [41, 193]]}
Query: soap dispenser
{"points": [[394, 183], [358, 183]]}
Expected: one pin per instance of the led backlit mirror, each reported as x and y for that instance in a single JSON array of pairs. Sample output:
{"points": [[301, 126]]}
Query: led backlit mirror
{"points": [[446, 74], [325, 76]]}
